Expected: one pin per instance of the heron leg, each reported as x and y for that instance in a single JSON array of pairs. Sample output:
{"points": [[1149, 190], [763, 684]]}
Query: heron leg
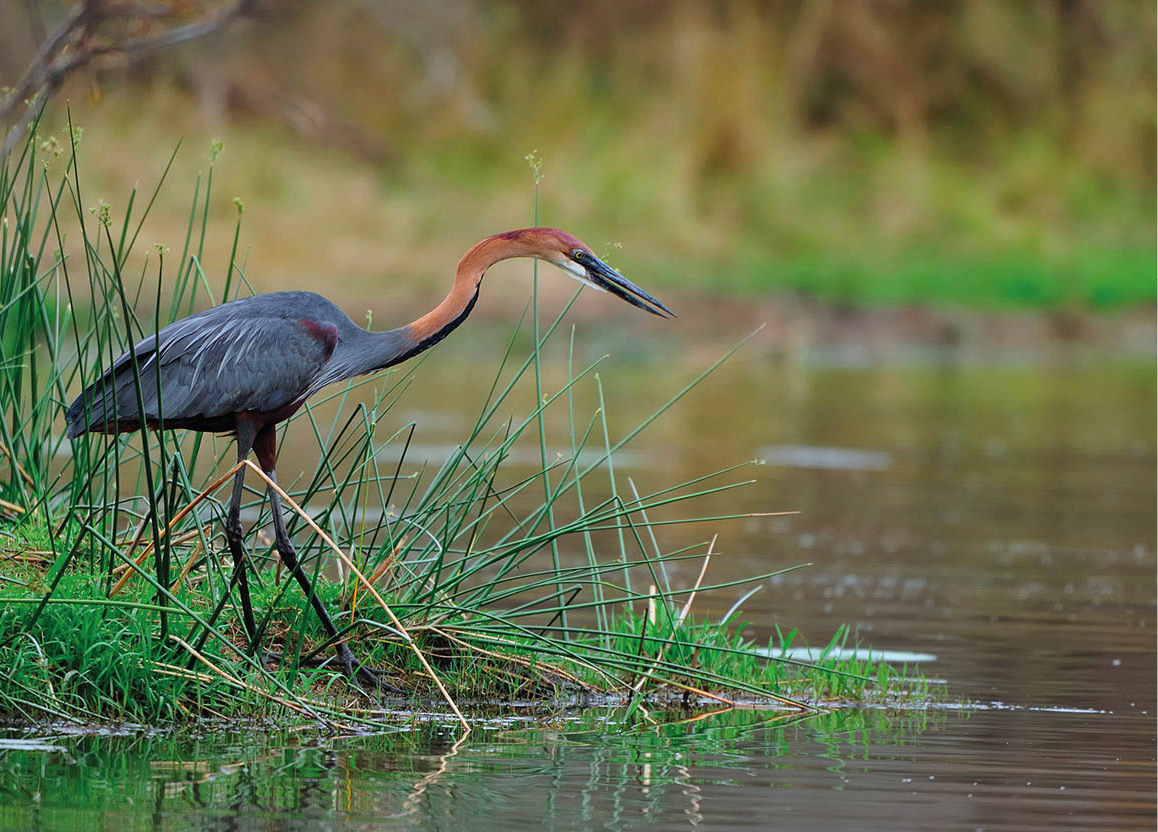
{"points": [[354, 669], [245, 437]]}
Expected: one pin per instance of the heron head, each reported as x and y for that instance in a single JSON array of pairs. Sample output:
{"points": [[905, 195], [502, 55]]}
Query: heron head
{"points": [[577, 259]]}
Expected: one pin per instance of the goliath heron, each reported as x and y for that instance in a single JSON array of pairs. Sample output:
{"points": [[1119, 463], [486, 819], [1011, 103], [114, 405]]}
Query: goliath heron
{"points": [[244, 366]]}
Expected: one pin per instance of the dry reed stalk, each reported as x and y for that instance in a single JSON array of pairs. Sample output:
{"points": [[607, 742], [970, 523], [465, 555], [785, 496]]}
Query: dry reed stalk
{"points": [[176, 519], [187, 568], [512, 659], [177, 541], [180, 672], [369, 587], [23, 474], [302, 710], [377, 574], [699, 581], [638, 686]]}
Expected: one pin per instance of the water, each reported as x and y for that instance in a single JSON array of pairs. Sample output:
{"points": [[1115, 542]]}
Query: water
{"points": [[999, 520], [740, 770]]}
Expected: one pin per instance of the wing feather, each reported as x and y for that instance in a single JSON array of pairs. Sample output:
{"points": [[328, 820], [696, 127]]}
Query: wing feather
{"points": [[206, 367]]}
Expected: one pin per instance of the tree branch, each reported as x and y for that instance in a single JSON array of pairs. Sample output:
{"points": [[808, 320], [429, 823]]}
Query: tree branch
{"points": [[73, 44]]}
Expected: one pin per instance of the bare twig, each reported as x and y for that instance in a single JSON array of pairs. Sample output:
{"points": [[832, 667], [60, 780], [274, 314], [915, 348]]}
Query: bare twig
{"points": [[75, 43]]}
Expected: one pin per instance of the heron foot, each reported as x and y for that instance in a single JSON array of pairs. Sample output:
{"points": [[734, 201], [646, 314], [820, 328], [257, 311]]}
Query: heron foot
{"points": [[360, 674], [365, 678]]}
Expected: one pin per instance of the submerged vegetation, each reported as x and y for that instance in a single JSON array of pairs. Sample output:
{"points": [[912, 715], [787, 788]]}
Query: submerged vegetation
{"points": [[115, 593]]}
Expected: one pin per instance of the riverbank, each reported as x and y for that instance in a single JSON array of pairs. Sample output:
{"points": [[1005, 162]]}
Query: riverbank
{"points": [[82, 657]]}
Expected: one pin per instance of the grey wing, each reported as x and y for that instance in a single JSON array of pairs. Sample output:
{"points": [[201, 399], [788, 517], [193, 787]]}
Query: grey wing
{"points": [[199, 369]]}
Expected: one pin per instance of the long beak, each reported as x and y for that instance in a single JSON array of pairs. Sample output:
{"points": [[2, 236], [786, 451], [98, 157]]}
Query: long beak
{"points": [[604, 277]]}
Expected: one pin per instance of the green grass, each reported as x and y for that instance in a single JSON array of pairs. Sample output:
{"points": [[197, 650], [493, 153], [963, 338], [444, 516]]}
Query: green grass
{"points": [[86, 658], [1090, 279], [468, 556]]}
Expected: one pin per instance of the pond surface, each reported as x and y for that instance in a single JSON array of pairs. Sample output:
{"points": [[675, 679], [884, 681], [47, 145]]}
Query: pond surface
{"points": [[1000, 519]]}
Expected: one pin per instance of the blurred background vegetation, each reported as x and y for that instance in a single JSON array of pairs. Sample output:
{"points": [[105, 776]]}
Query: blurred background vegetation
{"points": [[994, 155]]}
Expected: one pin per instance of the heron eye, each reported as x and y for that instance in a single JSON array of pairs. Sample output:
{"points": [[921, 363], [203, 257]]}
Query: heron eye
{"points": [[579, 254]]}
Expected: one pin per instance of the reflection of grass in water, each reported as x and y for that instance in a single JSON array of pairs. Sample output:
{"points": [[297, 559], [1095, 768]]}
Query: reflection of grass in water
{"points": [[389, 772], [458, 551]]}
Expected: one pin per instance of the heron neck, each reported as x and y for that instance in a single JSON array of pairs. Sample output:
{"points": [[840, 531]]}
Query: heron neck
{"points": [[439, 322], [385, 349], [419, 335]]}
